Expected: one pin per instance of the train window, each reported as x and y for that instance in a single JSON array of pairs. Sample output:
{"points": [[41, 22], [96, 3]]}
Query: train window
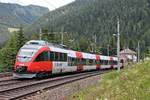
{"points": [[94, 62], [90, 61], [52, 56], [104, 62], [111, 62], [69, 61], [101, 62], [83, 61], [108, 62], [57, 56], [87, 61], [72, 61], [63, 57], [42, 57], [75, 61], [115, 62]]}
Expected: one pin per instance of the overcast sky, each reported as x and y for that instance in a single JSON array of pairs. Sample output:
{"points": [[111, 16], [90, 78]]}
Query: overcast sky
{"points": [[51, 4]]}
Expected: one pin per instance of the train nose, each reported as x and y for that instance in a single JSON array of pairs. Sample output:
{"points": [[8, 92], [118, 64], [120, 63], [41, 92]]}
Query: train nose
{"points": [[21, 69]]}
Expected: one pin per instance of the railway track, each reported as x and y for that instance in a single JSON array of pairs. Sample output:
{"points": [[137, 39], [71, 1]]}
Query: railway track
{"points": [[6, 82], [5, 74], [17, 89], [12, 82]]}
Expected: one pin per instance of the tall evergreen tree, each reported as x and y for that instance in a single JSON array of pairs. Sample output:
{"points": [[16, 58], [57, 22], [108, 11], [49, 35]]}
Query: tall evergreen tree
{"points": [[8, 53], [20, 38]]}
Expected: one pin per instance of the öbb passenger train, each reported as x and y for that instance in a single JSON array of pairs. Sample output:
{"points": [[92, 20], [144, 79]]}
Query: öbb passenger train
{"points": [[38, 58]]}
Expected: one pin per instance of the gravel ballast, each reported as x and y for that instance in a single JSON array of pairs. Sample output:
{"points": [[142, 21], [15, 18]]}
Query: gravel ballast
{"points": [[62, 92]]}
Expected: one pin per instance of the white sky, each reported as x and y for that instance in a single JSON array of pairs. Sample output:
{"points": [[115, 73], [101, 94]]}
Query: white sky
{"points": [[51, 4]]}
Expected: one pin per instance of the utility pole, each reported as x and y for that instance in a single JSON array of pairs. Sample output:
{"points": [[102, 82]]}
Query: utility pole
{"points": [[95, 40], [108, 50], [138, 51], [92, 45], [40, 34], [62, 36], [118, 44]]}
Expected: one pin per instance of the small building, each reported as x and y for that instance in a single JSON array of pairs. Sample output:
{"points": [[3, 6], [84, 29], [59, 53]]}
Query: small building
{"points": [[11, 30], [128, 55]]}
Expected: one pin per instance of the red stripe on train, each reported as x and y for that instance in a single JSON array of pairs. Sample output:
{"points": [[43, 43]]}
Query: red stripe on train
{"points": [[79, 56], [111, 65], [98, 66]]}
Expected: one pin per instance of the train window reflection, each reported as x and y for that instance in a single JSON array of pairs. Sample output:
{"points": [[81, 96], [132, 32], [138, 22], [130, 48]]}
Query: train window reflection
{"points": [[42, 57], [57, 56], [27, 53]]}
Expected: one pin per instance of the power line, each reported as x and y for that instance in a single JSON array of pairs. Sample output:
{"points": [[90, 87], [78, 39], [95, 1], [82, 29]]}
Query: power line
{"points": [[18, 1], [50, 4]]}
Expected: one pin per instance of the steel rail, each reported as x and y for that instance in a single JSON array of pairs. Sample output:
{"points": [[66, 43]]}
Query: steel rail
{"points": [[5, 74], [26, 89]]}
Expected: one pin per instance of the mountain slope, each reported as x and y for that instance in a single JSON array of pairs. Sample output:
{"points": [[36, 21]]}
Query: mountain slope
{"points": [[88, 17], [13, 15]]}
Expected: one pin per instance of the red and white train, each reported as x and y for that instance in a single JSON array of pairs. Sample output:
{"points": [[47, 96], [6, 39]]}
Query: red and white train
{"points": [[38, 58]]}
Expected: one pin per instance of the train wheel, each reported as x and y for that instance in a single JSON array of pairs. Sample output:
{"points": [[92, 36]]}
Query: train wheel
{"points": [[39, 75], [43, 75]]}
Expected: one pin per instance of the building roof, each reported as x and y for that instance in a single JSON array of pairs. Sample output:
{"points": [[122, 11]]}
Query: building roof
{"points": [[127, 51]]}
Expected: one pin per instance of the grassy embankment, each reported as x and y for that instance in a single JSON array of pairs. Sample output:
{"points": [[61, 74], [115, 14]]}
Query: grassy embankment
{"points": [[1, 67], [132, 83]]}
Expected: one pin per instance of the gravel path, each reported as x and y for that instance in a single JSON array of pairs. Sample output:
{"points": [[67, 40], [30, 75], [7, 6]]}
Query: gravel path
{"points": [[62, 92]]}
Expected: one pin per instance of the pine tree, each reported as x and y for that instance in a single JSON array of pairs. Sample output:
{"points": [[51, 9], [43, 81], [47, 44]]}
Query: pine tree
{"points": [[9, 52], [20, 38]]}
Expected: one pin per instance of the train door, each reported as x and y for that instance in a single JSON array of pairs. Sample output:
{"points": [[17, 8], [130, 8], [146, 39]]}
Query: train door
{"points": [[111, 62], [79, 61], [98, 62]]}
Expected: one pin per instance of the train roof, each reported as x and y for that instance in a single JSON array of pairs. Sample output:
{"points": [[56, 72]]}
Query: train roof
{"points": [[57, 49], [34, 47], [37, 44]]}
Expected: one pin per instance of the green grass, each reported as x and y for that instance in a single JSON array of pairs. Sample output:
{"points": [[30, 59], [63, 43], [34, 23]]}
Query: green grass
{"points": [[132, 83], [1, 67]]}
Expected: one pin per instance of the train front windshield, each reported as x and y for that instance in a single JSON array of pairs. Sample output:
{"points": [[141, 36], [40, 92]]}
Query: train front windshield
{"points": [[25, 55]]}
